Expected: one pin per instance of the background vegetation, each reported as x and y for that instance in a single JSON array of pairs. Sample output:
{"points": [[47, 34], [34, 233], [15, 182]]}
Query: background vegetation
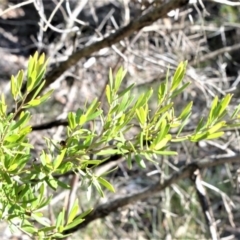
{"points": [[83, 40]]}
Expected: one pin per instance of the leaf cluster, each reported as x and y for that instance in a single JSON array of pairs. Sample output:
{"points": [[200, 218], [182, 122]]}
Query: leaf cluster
{"points": [[24, 183]]}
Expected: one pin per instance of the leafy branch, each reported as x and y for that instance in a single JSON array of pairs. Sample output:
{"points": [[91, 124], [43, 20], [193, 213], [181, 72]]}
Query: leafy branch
{"points": [[24, 184]]}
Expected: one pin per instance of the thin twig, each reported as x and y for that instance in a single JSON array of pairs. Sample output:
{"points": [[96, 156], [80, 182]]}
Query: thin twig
{"points": [[135, 25], [16, 6], [213, 54], [229, 3], [205, 204]]}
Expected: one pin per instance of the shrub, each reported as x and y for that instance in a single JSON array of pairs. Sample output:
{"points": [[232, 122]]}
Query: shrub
{"points": [[24, 181]]}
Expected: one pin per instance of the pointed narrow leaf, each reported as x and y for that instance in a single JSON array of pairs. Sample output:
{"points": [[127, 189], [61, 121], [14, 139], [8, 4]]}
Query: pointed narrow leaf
{"points": [[178, 75], [106, 184], [214, 135], [216, 127], [108, 94], [212, 114], [73, 212], [224, 103], [13, 87], [111, 79], [74, 223], [72, 120], [163, 142], [140, 161], [186, 111], [118, 79], [59, 158], [128, 89]]}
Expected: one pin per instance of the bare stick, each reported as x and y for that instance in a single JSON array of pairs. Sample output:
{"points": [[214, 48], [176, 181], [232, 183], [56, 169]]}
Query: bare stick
{"points": [[185, 172], [17, 6], [133, 26], [205, 204]]}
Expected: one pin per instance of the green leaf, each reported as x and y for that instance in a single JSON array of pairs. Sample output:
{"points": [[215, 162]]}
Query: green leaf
{"points": [[236, 111], [216, 127], [106, 184], [6, 177], [119, 77], [73, 212], [38, 100], [14, 87], [94, 115], [198, 137], [126, 101], [108, 94], [46, 96], [178, 75], [40, 220], [35, 56], [185, 113], [224, 103], [63, 184], [65, 167], [213, 112], [183, 124], [24, 118], [59, 235], [37, 91], [162, 91], [45, 159], [29, 229], [44, 202], [33, 103], [200, 125], [110, 171], [20, 81], [142, 115], [41, 191], [41, 69], [162, 131], [111, 79], [31, 81], [84, 214], [180, 90], [72, 120], [83, 119], [162, 143], [122, 93], [12, 138], [165, 108], [59, 159], [140, 161], [129, 161], [97, 186], [79, 113], [3, 106], [92, 108], [46, 229], [143, 99], [40, 62], [109, 152], [31, 66], [60, 219], [166, 153], [52, 183], [214, 135], [12, 167], [76, 221]]}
